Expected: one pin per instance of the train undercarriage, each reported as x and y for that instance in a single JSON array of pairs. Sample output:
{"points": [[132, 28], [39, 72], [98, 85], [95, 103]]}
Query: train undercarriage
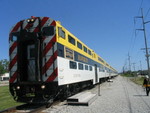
{"points": [[48, 92], [45, 93]]}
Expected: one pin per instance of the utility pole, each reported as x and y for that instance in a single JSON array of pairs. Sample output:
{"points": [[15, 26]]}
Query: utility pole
{"points": [[140, 65], [134, 70], [123, 70], [133, 66], [146, 47], [129, 62], [145, 40]]}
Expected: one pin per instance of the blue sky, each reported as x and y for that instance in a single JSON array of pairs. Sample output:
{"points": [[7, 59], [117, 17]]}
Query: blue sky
{"points": [[106, 26]]}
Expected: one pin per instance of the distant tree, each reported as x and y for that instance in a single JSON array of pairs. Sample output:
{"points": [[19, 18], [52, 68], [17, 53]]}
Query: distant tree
{"points": [[4, 65]]}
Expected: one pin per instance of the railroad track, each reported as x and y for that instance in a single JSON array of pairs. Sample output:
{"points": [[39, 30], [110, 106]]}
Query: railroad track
{"points": [[25, 108], [127, 96], [29, 108]]}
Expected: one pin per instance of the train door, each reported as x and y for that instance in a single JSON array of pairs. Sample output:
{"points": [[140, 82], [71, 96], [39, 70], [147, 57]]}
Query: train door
{"points": [[31, 62], [96, 75], [28, 59]]}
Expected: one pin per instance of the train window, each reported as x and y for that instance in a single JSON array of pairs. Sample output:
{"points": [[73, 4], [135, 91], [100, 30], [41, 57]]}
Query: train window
{"points": [[71, 40], [79, 45], [107, 64], [14, 38], [90, 68], [48, 31], [32, 52], [61, 53], [73, 65], [89, 52], [61, 33], [102, 68], [107, 70], [100, 59], [86, 67], [69, 53], [80, 66], [85, 49]]}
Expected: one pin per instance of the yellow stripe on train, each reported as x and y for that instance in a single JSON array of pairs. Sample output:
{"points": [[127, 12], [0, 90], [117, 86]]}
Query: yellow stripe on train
{"points": [[63, 39]]}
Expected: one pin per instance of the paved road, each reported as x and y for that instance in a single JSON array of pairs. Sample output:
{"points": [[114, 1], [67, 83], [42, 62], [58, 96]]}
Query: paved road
{"points": [[119, 96]]}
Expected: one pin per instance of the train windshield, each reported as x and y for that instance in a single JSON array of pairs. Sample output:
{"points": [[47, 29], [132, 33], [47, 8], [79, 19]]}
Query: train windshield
{"points": [[14, 38]]}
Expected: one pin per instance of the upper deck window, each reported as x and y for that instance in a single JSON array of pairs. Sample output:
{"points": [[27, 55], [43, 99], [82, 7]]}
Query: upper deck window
{"points": [[85, 49], [79, 45], [89, 52], [61, 33], [71, 40], [100, 59]]}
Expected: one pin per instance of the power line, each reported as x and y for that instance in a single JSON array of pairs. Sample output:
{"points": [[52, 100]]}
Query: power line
{"points": [[134, 66], [140, 7], [132, 41], [138, 14], [140, 65], [134, 32], [147, 12]]}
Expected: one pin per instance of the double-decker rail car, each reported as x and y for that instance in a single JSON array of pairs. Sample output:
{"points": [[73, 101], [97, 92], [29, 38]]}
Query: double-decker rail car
{"points": [[47, 61]]}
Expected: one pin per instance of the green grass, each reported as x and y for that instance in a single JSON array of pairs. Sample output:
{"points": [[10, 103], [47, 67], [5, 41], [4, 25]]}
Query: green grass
{"points": [[127, 75], [6, 100], [138, 80]]}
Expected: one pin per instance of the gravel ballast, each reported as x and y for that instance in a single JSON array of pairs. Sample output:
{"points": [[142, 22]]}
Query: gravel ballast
{"points": [[119, 96]]}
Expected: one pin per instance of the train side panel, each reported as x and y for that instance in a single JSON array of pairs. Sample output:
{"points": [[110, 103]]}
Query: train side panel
{"points": [[66, 75]]}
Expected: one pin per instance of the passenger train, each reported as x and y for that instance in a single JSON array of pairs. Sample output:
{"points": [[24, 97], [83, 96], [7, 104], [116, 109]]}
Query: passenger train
{"points": [[47, 61]]}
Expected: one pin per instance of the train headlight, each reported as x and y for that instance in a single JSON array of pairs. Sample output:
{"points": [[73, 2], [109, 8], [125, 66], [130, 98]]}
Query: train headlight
{"points": [[28, 20], [18, 87], [32, 20], [43, 87]]}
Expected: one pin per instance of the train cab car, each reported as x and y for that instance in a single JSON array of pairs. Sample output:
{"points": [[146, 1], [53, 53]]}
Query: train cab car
{"points": [[47, 61]]}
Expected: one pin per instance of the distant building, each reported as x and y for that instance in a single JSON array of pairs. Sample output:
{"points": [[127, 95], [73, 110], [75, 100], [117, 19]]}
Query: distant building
{"points": [[4, 77]]}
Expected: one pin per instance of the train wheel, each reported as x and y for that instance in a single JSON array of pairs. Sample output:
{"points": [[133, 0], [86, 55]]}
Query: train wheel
{"points": [[48, 105]]}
